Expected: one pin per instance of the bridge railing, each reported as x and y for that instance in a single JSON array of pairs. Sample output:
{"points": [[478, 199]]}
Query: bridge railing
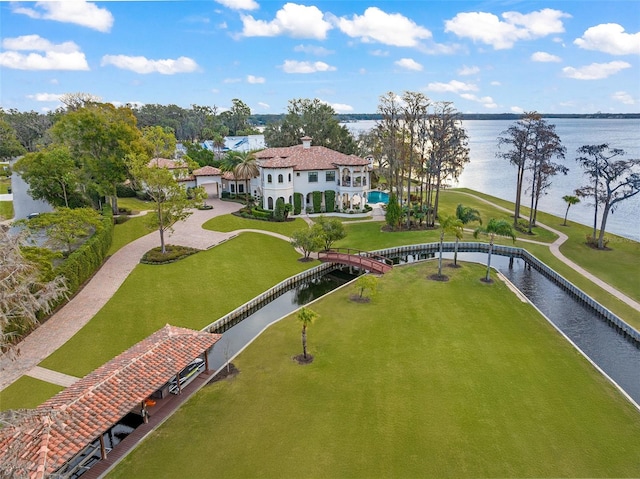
{"points": [[356, 252]]}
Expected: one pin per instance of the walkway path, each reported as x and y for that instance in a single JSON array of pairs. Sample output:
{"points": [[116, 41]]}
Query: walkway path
{"points": [[74, 315], [67, 321], [555, 250]]}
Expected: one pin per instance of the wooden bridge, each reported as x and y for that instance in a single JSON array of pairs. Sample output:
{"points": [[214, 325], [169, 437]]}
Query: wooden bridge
{"points": [[360, 259]]}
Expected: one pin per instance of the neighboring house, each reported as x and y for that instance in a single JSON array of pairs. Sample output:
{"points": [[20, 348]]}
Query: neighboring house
{"points": [[179, 168], [237, 143], [304, 169]]}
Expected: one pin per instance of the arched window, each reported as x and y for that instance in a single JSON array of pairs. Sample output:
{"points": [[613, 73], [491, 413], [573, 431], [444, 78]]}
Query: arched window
{"points": [[280, 179], [269, 203], [269, 179]]}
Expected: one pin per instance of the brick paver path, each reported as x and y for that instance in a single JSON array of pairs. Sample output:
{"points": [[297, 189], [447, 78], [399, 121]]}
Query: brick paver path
{"points": [[76, 313]]}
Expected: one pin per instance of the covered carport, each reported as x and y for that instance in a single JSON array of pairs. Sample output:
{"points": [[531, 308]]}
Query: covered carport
{"points": [[65, 434]]}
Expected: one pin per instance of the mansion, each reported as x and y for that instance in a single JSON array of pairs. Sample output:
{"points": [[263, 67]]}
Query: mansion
{"points": [[284, 171]]}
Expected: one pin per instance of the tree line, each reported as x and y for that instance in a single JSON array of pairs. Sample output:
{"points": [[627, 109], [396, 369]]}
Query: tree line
{"points": [[531, 144]]}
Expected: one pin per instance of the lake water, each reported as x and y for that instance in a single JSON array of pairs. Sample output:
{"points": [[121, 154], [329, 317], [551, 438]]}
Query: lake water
{"points": [[497, 177]]}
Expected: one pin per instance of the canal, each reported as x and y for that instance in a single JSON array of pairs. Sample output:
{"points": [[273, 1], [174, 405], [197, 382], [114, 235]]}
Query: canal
{"points": [[617, 356]]}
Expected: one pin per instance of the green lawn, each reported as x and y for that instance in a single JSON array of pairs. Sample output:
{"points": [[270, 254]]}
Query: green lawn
{"points": [[5, 183], [618, 266], [227, 223], [134, 204], [6, 210], [418, 383], [449, 200], [125, 233], [190, 293], [626, 312], [27, 393]]}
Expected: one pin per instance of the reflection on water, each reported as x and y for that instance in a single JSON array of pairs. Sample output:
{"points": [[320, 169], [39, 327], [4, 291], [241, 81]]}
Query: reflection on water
{"points": [[235, 338], [616, 355]]}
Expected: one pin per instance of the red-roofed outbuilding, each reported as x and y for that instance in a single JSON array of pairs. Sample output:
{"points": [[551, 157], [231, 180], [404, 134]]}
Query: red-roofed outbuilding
{"points": [[50, 438]]}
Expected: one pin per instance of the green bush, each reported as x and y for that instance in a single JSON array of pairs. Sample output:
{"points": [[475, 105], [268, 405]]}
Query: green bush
{"points": [[263, 215], [317, 201], [279, 211], [125, 191], [84, 262], [171, 255], [330, 201], [225, 195], [142, 196], [297, 203]]}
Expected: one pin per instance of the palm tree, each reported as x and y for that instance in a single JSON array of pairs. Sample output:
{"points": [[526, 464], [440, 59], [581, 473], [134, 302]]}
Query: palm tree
{"points": [[229, 163], [306, 317], [570, 200], [452, 225], [247, 169], [466, 214], [495, 228]]}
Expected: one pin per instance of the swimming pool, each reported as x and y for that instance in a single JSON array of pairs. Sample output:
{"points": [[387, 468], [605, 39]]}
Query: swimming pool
{"points": [[378, 197]]}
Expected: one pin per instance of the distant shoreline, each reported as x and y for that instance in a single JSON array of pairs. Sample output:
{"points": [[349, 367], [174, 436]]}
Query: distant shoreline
{"points": [[351, 117]]}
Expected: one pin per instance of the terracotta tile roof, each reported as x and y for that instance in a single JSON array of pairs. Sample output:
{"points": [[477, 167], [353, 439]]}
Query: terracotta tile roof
{"points": [[303, 158], [91, 406], [228, 175], [166, 163], [207, 171]]}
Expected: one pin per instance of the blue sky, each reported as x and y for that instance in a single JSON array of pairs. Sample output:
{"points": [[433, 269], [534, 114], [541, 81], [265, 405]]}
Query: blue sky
{"points": [[484, 56]]}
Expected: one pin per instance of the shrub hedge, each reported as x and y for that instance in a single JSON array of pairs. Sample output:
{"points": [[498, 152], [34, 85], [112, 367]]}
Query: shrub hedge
{"points": [[171, 255], [85, 261], [330, 201], [278, 212], [317, 201], [297, 203]]}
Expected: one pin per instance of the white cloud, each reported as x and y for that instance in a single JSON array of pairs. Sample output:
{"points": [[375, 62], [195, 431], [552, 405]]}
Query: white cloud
{"points": [[486, 101], [79, 12], [517, 109], [380, 53], [489, 29], [610, 38], [544, 57], [232, 80], [376, 25], [47, 97], [466, 71], [239, 4], [255, 80], [298, 21], [341, 107], [37, 43], [293, 66], [409, 64], [143, 65], [623, 97], [454, 86], [313, 50], [495, 83], [595, 71], [62, 56], [266, 106]]}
